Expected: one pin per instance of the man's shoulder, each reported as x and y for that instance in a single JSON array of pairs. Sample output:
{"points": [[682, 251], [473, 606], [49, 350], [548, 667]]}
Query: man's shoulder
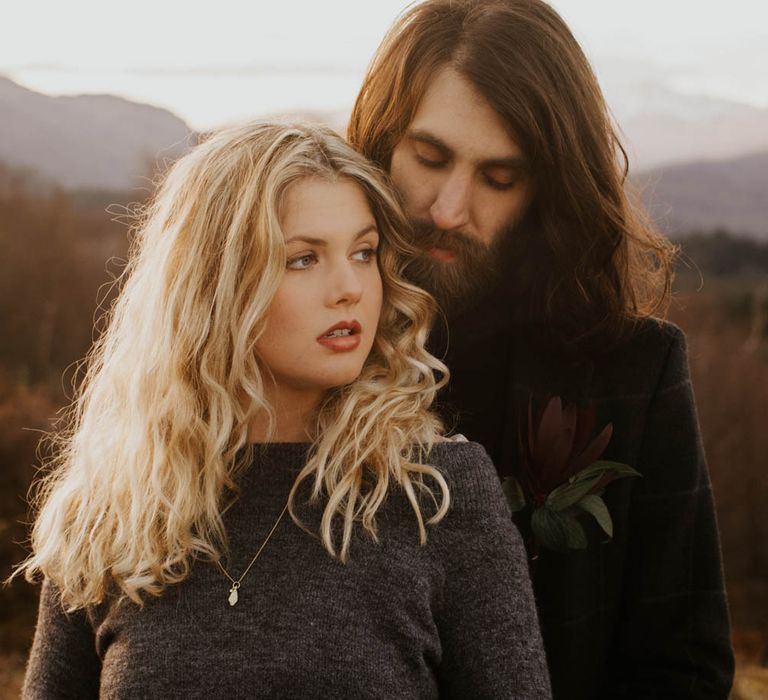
{"points": [[655, 335], [635, 366], [630, 367]]}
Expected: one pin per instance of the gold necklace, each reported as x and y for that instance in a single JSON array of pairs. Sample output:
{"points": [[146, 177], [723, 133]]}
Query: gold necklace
{"points": [[233, 596]]}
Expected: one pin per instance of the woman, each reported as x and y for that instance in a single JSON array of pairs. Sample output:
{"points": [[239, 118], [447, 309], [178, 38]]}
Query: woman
{"points": [[264, 357]]}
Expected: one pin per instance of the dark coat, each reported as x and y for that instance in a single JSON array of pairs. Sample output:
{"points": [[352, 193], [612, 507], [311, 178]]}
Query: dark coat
{"points": [[642, 615]]}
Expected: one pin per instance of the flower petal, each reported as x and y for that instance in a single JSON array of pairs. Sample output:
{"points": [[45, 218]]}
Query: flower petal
{"points": [[551, 420], [584, 428], [594, 449], [563, 450], [548, 432]]}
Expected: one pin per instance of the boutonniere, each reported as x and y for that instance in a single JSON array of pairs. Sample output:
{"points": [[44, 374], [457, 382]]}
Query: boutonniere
{"points": [[561, 477]]}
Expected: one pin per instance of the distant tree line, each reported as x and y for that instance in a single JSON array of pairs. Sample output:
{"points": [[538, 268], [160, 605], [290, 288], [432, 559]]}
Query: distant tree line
{"points": [[54, 280], [55, 251], [723, 254]]}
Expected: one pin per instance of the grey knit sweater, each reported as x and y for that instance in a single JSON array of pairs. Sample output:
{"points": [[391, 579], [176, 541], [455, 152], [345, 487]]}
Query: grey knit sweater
{"points": [[454, 618]]}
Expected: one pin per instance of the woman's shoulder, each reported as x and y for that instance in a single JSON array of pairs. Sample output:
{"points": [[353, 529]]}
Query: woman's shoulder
{"points": [[456, 453], [471, 476]]}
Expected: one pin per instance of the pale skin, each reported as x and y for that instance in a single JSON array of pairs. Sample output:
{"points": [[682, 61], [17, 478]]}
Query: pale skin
{"points": [[457, 166], [331, 277]]}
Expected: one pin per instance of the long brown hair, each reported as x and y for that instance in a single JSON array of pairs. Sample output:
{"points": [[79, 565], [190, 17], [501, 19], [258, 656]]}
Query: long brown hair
{"points": [[586, 259]]}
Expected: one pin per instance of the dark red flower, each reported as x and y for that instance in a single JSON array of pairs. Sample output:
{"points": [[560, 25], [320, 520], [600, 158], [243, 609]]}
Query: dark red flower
{"points": [[558, 447]]}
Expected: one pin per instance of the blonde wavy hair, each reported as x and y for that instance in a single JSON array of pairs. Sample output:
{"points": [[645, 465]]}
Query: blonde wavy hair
{"points": [[158, 429]]}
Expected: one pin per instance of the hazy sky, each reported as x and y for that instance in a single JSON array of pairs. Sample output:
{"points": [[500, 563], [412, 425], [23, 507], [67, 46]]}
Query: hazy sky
{"points": [[214, 62]]}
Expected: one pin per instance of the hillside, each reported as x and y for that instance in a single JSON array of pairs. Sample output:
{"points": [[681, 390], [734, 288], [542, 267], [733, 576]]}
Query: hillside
{"points": [[661, 127], [109, 144], [87, 141], [706, 195]]}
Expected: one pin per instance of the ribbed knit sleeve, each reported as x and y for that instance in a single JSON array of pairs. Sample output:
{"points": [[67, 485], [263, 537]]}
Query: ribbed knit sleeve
{"points": [[674, 639], [63, 662], [487, 620]]}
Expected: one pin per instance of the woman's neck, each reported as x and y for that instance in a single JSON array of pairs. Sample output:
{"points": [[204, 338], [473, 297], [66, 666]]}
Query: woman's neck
{"points": [[293, 413]]}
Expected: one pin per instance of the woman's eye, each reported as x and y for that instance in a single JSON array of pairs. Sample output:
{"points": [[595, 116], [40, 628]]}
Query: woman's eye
{"points": [[302, 262], [365, 255]]}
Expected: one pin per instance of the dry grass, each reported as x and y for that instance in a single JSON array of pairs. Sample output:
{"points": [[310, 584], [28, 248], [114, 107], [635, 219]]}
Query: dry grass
{"points": [[728, 349], [11, 675], [727, 332], [751, 683]]}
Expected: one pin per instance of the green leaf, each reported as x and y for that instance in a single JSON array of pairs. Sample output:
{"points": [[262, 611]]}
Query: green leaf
{"points": [[548, 530], [595, 506], [601, 466], [576, 537], [555, 531], [514, 493], [570, 493]]}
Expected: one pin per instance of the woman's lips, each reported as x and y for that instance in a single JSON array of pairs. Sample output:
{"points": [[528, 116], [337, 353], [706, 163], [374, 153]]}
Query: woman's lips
{"points": [[342, 343], [442, 254]]}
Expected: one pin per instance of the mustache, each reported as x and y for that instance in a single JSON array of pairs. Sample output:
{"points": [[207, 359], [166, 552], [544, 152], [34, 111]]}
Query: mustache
{"points": [[426, 236]]}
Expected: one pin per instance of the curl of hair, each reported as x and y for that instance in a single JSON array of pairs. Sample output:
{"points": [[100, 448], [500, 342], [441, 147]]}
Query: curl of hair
{"points": [[158, 429], [587, 260]]}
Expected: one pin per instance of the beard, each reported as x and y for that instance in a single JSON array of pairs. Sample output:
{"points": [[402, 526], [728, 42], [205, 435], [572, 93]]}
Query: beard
{"points": [[458, 283]]}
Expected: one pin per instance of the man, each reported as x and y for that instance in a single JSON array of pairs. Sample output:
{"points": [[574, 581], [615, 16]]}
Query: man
{"points": [[490, 121]]}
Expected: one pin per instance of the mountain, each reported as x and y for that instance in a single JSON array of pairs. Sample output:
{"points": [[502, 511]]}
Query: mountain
{"points": [[108, 143], [730, 194], [87, 141], [661, 125]]}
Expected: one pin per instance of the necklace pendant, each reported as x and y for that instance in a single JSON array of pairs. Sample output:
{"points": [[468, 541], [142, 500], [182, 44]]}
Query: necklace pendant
{"points": [[233, 595]]}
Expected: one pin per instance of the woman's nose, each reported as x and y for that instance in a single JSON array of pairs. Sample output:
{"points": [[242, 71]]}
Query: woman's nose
{"points": [[346, 287]]}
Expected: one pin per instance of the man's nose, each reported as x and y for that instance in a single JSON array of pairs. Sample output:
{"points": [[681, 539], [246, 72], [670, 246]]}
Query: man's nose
{"points": [[345, 287], [451, 207]]}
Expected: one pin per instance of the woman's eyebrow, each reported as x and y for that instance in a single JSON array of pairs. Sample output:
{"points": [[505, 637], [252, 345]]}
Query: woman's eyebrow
{"points": [[323, 242]]}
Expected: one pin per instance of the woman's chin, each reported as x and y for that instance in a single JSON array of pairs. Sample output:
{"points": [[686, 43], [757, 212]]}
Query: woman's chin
{"points": [[342, 377]]}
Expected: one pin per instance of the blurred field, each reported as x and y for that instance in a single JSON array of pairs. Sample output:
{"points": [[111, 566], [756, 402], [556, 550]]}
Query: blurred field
{"points": [[53, 253], [727, 328]]}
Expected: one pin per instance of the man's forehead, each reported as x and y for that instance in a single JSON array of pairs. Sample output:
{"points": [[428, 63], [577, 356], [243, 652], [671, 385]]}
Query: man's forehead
{"points": [[454, 115]]}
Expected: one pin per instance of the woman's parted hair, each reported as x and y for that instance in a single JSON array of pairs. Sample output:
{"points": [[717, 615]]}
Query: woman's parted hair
{"points": [[158, 429], [587, 260]]}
